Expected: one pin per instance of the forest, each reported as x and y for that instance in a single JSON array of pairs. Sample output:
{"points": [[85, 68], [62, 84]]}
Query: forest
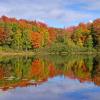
{"points": [[25, 35]]}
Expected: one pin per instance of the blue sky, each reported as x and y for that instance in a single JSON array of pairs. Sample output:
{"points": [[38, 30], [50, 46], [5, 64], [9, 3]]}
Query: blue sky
{"points": [[57, 13]]}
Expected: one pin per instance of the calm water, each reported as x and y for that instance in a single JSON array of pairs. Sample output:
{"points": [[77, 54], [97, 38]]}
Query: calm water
{"points": [[50, 78]]}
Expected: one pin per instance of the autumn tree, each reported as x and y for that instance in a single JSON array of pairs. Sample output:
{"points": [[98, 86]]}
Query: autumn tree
{"points": [[96, 26]]}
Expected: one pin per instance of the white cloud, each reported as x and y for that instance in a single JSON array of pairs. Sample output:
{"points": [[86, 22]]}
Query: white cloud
{"points": [[59, 10]]}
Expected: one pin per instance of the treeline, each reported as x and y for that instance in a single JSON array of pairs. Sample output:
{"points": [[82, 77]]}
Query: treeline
{"points": [[23, 35]]}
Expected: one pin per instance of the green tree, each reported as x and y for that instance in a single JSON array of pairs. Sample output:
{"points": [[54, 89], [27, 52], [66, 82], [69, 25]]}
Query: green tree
{"points": [[27, 45], [89, 42]]}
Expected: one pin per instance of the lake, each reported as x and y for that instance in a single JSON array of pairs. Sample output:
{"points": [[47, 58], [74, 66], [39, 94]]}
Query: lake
{"points": [[56, 77]]}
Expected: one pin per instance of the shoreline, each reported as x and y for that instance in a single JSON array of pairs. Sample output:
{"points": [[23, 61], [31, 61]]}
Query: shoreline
{"points": [[30, 53], [23, 53]]}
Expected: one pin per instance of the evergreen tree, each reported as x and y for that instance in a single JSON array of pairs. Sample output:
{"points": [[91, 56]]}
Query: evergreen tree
{"points": [[89, 42]]}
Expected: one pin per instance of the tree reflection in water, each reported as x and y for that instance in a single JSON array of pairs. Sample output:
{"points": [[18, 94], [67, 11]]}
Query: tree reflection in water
{"points": [[26, 71]]}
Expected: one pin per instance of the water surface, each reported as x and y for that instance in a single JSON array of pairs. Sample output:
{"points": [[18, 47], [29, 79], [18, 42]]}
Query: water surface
{"points": [[50, 78]]}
